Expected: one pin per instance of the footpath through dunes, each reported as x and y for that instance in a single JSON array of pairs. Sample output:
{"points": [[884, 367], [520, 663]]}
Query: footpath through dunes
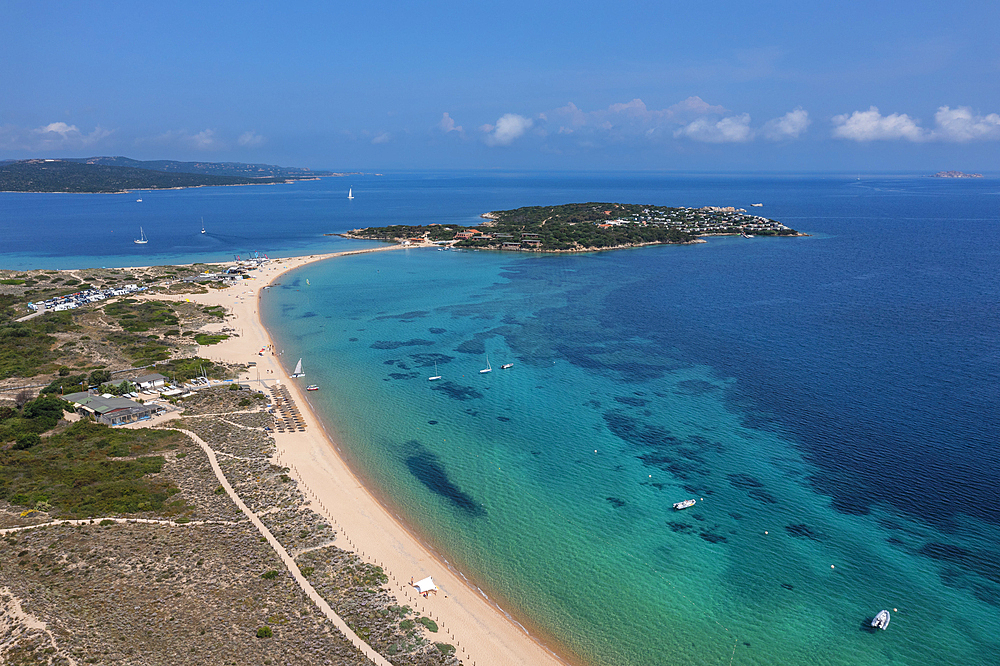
{"points": [[479, 632]]}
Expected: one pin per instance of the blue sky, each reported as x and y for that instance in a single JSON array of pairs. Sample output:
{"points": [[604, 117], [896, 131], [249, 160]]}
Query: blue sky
{"points": [[706, 86]]}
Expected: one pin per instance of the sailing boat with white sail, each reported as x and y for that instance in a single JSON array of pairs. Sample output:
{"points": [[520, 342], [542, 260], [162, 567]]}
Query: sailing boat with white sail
{"points": [[488, 368], [350, 193], [436, 375], [202, 225], [298, 370], [141, 240]]}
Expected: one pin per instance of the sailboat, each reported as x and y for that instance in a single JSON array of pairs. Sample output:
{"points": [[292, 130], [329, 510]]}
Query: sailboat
{"points": [[202, 225], [350, 193], [298, 370], [436, 375], [487, 368], [141, 240]]}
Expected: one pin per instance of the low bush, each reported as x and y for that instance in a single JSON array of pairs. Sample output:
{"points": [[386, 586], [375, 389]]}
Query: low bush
{"points": [[264, 632]]}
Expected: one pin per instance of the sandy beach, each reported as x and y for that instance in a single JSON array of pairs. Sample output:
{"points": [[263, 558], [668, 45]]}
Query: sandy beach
{"points": [[482, 633]]}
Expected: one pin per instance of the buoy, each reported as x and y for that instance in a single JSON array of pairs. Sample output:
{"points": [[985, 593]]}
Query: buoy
{"points": [[765, 531], [894, 610], [831, 566], [595, 450]]}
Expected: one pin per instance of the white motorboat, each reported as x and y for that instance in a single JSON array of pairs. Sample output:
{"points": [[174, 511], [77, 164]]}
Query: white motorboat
{"points": [[683, 505], [881, 620]]}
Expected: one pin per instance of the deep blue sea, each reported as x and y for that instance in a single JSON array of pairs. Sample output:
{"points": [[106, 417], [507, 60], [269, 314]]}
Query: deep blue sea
{"points": [[831, 401]]}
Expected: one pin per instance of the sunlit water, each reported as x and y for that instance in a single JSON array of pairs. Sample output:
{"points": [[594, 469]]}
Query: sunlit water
{"points": [[830, 401]]}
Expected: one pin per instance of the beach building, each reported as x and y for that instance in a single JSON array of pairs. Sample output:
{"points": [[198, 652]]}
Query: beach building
{"points": [[109, 409], [151, 381]]}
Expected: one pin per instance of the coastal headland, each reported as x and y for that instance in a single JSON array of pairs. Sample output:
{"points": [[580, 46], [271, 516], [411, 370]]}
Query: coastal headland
{"points": [[329, 501], [585, 227]]}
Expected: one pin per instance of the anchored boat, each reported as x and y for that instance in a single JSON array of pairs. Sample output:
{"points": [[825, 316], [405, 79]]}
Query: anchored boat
{"points": [[298, 370], [683, 505], [881, 620]]}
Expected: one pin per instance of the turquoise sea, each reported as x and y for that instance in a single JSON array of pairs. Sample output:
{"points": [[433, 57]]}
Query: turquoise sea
{"points": [[831, 402]]}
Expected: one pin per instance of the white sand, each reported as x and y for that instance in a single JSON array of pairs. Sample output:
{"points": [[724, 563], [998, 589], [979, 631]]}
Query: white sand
{"points": [[482, 634]]}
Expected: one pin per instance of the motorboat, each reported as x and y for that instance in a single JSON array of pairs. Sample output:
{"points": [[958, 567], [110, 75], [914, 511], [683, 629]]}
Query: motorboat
{"points": [[683, 505], [881, 621]]}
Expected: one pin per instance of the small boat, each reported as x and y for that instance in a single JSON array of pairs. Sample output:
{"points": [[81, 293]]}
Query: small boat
{"points": [[138, 200], [746, 235], [350, 193], [757, 205], [436, 375], [141, 240], [312, 387], [881, 620], [298, 370], [202, 225], [488, 368], [506, 366], [683, 505]]}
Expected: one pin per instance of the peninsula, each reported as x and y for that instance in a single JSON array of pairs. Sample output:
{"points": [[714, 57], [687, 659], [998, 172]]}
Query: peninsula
{"points": [[121, 174], [583, 227], [956, 174]]}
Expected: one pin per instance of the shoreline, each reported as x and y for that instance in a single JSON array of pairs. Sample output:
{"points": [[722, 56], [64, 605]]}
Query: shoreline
{"points": [[484, 633]]}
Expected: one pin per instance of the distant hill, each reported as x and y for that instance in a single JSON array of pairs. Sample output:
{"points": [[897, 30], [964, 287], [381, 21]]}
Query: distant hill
{"points": [[120, 174], [208, 168]]}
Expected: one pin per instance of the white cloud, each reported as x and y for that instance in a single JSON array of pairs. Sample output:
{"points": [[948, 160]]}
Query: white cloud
{"points": [[205, 140], [54, 136], [509, 127], [960, 124], [382, 138], [734, 129], [871, 125], [789, 126], [251, 139], [447, 124]]}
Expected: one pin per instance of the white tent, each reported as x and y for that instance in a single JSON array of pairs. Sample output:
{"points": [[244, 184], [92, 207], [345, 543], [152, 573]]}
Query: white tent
{"points": [[425, 585]]}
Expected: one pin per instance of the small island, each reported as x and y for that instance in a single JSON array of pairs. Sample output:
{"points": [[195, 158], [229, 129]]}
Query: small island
{"points": [[956, 174], [121, 174], [585, 227]]}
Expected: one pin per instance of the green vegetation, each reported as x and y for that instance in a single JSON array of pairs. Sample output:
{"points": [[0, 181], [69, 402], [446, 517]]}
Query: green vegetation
{"points": [[35, 417], [427, 622], [66, 384], [207, 339], [185, 369], [445, 648], [71, 176], [73, 473], [268, 575], [136, 317], [12, 281], [264, 632], [587, 226], [28, 348]]}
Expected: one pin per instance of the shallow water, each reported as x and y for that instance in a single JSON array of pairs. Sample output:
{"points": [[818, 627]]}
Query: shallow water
{"points": [[829, 400]]}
